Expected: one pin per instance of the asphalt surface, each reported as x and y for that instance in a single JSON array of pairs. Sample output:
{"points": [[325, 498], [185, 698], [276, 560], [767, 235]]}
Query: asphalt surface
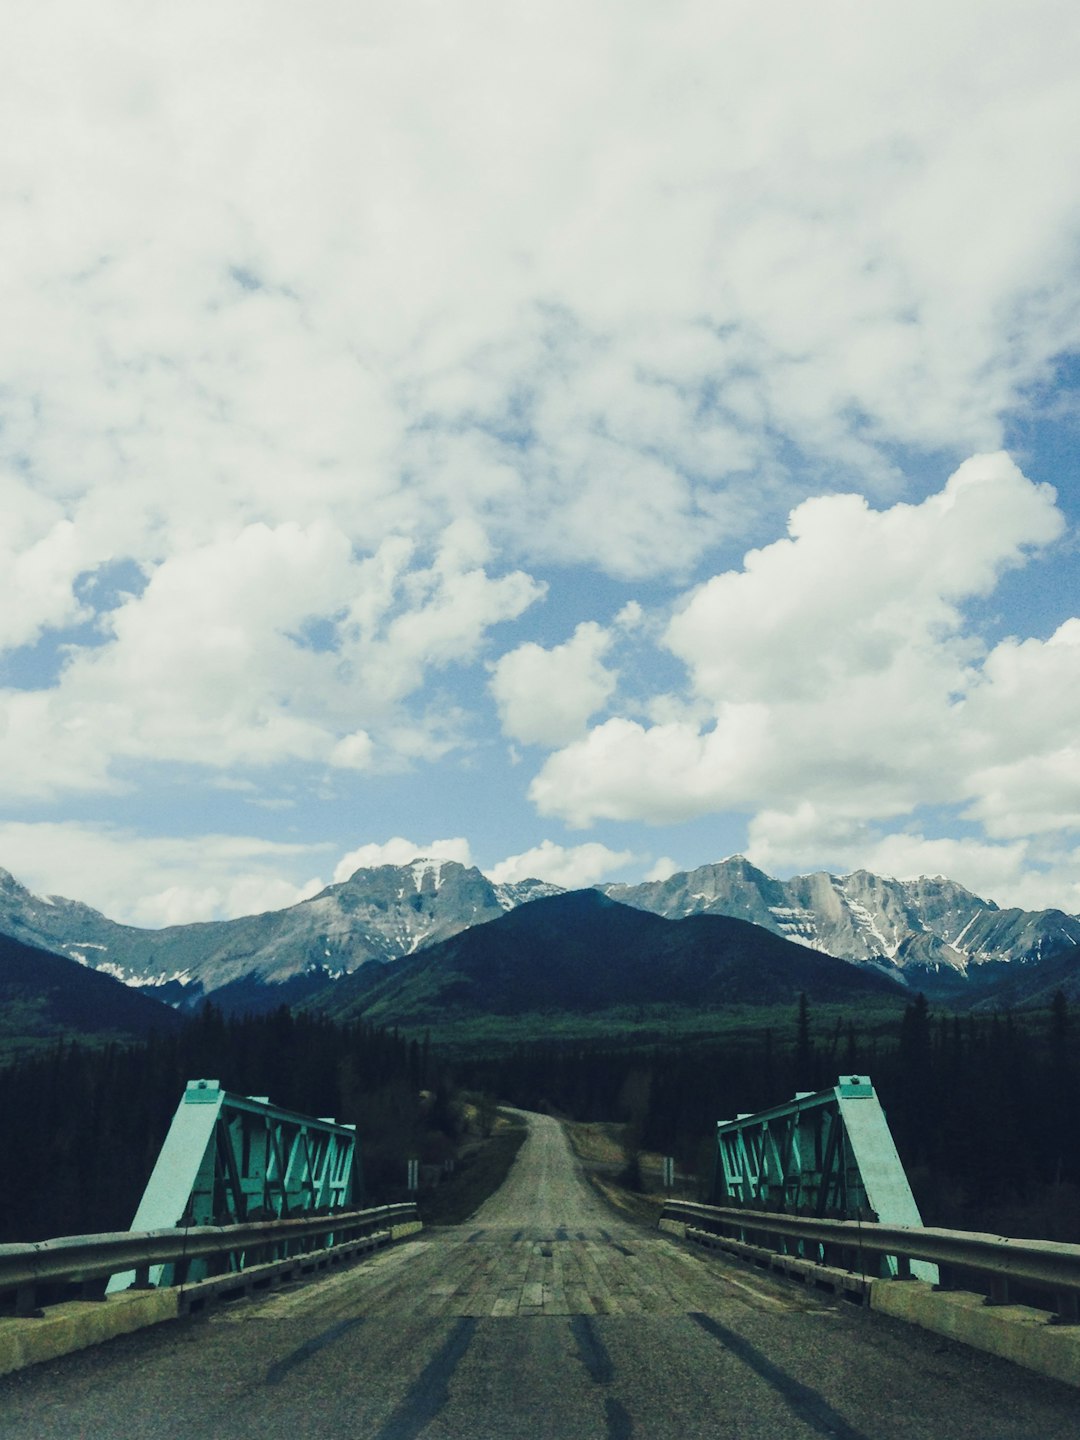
{"points": [[547, 1317]]}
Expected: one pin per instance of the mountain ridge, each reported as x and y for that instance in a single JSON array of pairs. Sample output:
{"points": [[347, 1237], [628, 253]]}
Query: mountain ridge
{"points": [[379, 913], [931, 933], [583, 954]]}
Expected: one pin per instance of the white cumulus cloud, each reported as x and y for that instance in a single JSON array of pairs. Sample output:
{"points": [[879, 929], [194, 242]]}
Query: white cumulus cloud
{"points": [[399, 851], [153, 881], [574, 867], [255, 648], [546, 696], [842, 679]]}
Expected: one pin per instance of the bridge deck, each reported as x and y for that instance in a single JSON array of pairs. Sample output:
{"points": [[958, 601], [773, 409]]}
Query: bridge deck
{"points": [[496, 1273]]}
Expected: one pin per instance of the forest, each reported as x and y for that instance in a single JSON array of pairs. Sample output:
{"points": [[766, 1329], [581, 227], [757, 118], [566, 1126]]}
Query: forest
{"points": [[81, 1127], [985, 1109]]}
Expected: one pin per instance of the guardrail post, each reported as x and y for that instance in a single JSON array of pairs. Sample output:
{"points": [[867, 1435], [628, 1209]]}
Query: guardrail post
{"points": [[26, 1302], [999, 1290], [1067, 1308]]}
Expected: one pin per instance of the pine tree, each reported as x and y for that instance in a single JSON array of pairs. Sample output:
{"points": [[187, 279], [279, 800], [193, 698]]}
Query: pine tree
{"points": [[804, 1049]]}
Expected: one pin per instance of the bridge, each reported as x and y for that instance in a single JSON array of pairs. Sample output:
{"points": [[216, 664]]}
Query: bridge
{"points": [[548, 1316]]}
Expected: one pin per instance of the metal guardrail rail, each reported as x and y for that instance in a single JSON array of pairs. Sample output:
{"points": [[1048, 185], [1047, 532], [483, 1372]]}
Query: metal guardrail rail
{"points": [[89, 1260], [1046, 1266]]}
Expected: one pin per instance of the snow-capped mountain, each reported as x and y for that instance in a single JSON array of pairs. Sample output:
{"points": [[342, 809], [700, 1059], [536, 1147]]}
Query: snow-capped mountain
{"points": [[931, 933], [930, 929], [377, 914]]}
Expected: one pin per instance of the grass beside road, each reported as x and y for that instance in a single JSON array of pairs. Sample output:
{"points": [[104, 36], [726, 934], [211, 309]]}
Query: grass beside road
{"points": [[602, 1150], [479, 1173]]}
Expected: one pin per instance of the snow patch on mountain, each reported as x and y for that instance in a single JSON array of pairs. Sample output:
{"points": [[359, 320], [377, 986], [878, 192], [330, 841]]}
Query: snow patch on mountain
{"points": [[422, 868], [864, 918], [520, 892], [957, 944]]}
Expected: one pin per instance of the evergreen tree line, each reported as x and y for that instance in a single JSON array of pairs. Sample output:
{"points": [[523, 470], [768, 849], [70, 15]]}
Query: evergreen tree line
{"points": [[985, 1111], [81, 1127]]}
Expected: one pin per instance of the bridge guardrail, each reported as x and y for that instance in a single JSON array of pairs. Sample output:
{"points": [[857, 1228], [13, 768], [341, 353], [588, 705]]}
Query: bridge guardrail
{"points": [[1048, 1267], [89, 1260]]}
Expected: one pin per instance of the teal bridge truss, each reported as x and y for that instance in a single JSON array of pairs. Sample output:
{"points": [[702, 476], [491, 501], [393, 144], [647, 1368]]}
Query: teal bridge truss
{"points": [[828, 1154], [234, 1158]]}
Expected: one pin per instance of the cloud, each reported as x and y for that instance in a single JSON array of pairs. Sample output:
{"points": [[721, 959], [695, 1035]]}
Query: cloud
{"points": [[399, 851], [1027, 709], [353, 752], [599, 328], [333, 330], [854, 591], [623, 770], [154, 881], [40, 562], [546, 696], [841, 680], [574, 867], [448, 608], [258, 647]]}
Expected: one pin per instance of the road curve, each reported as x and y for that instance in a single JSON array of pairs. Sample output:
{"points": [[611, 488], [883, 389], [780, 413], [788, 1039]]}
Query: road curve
{"points": [[546, 1317]]}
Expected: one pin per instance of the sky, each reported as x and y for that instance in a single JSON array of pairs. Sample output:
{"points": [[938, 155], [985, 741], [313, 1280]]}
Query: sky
{"points": [[583, 440]]}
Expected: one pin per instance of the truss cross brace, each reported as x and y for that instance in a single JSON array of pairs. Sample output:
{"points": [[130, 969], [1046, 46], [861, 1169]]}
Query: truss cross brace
{"points": [[230, 1158], [829, 1154]]}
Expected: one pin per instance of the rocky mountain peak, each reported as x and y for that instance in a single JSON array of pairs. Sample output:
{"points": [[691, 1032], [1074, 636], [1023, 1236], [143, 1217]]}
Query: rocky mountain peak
{"points": [[922, 928], [930, 932]]}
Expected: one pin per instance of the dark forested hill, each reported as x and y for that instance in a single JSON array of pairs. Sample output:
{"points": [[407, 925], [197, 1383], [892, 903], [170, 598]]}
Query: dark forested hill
{"points": [[43, 995], [581, 953]]}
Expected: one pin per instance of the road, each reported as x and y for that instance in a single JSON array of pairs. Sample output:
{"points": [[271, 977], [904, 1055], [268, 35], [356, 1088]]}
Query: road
{"points": [[545, 1318]]}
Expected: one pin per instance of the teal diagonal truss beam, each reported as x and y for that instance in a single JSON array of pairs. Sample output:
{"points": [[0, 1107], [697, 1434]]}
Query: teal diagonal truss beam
{"points": [[234, 1158], [828, 1154]]}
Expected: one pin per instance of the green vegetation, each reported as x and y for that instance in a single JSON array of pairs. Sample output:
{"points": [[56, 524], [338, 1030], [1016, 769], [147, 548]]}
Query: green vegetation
{"points": [[466, 1037]]}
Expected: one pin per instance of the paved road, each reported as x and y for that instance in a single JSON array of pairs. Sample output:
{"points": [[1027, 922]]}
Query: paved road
{"points": [[545, 1318]]}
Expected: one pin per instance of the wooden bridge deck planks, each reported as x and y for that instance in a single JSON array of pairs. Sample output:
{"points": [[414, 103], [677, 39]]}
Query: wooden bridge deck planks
{"points": [[501, 1277]]}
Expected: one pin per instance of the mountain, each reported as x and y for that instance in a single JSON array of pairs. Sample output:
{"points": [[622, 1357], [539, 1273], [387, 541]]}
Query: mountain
{"points": [[581, 953], [377, 914], [45, 996], [932, 933]]}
